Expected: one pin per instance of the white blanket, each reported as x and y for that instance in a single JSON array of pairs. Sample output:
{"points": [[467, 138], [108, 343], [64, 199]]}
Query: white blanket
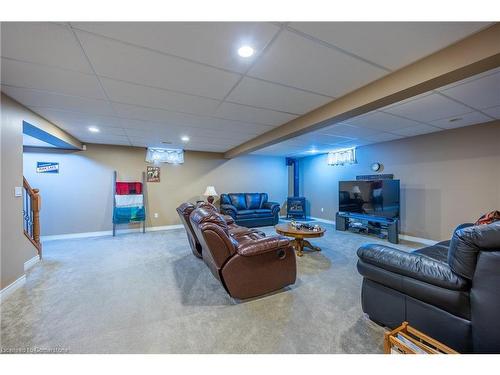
{"points": [[131, 200]]}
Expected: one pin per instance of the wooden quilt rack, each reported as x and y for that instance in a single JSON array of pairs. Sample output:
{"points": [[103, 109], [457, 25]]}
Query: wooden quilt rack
{"points": [[143, 201]]}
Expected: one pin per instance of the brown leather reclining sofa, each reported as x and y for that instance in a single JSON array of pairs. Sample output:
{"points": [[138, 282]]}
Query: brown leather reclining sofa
{"points": [[247, 263]]}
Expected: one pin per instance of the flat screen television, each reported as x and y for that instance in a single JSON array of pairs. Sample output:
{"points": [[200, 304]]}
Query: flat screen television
{"points": [[378, 198]]}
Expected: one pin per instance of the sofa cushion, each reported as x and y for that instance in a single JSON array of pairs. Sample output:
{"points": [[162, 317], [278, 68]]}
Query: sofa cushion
{"points": [[245, 212], [412, 265], [238, 201], [253, 200], [263, 211], [437, 252]]}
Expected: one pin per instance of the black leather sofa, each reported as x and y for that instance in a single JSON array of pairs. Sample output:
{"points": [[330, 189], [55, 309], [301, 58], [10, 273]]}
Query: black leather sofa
{"points": [[450, 291], [250, 209]]}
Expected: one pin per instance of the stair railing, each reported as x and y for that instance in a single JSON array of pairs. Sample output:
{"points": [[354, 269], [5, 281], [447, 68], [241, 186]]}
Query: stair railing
{"points": [[32, 203]]}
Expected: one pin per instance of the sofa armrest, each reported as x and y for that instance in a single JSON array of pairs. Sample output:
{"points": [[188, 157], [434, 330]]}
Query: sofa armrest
{"points": [[416, 266], [229, 219], [228, 209], [262, 245], [273, 206]]}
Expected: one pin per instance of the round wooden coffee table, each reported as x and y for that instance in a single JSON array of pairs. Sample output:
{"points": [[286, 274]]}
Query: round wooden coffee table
{"points": [[299, 237]]}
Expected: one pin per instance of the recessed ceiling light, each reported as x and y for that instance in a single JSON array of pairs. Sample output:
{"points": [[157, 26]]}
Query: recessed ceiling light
{"points": [[185, 138], [246, 51], [93, 129]]}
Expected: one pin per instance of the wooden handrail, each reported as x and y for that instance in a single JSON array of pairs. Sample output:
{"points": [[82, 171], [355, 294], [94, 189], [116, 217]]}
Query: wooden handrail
{"points": [[31, 210]]}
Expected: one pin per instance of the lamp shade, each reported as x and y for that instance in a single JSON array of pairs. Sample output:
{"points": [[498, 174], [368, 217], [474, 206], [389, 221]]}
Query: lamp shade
{"points": [[210, 191], [356, 190]]}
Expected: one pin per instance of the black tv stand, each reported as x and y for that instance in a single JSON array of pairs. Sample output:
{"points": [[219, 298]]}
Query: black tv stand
{"points": [[368, 224]]}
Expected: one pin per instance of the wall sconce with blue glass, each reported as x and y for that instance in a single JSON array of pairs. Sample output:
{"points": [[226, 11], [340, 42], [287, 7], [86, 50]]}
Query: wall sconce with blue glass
{"points": [[342, 157]]}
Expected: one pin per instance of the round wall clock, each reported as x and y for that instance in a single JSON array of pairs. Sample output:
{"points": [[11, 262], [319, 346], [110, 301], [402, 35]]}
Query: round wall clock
{"points": [[376, 167]]}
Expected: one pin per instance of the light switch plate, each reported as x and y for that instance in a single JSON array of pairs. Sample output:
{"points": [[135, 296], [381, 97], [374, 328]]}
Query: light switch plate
{"points": [[18, 191]]}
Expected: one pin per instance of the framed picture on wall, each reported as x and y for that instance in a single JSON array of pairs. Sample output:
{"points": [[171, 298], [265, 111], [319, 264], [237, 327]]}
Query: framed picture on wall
{"points": [[153, 174]]}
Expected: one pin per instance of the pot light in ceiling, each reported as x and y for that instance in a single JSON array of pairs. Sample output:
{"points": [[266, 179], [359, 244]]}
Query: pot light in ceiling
{"points": [[246, 51], [93, 129], [185, 138]]}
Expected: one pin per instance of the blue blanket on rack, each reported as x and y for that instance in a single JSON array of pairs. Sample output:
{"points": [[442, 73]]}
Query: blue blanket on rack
{"points": [[122, 215]]}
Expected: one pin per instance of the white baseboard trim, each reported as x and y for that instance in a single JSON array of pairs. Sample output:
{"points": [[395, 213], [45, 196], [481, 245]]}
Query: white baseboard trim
{"points": [[322, 220], [405, 237], [30, 263], [108, 232], [11, 288], [312, 218]]}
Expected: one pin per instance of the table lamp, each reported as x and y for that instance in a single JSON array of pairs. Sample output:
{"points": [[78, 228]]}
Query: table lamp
{"points": [[356, 191], [210, 193]]}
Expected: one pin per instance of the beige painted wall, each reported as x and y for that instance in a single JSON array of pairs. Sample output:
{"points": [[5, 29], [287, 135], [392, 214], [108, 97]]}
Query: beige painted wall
{"points": [[15, 247], [79, 198], [447, 178]]}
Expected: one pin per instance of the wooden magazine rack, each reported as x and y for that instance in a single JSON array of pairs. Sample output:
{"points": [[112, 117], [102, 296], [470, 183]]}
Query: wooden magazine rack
{"points": [[407, 340]]}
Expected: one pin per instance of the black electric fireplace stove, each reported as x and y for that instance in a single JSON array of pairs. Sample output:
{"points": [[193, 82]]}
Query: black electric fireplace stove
{"points": [[296, 207]]}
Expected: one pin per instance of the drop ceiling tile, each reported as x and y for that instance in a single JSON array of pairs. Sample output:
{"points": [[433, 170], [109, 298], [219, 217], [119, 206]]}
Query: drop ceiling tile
{"points": [[28, 75], [37, 98], [463, 120], [317, 139], [279, 150], [356, 143], [43, 43], [142, 142], [182, 119], [429, 108], [480, 93], [106, 139], [125, 62], [213, 43], [302, 63], [174, 134], [383, 137], [129, 93], [82, 131], [158, 141], [493, 111], [240, 112], [403, 42], [66, 120], [348, 131], [383, 109], [268, 95], [416, 130], [381, 121]]}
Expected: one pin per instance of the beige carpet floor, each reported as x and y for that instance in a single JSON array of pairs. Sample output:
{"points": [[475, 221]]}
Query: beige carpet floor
{"points": [[147, 293]]}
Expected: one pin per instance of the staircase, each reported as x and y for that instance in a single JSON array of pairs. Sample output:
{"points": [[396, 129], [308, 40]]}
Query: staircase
{"points": [[32, 202]]}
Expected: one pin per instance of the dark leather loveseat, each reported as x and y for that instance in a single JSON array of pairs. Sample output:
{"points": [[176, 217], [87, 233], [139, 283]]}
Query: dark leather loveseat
{"points": [[247, 263], [250, 209], [450, 291]]}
